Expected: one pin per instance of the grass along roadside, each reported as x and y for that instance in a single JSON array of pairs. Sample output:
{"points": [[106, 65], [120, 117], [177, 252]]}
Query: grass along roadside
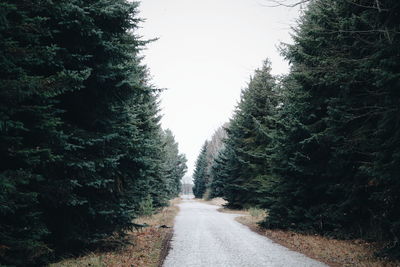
{"points": [[335, 253], [150, 245], [214, 201]]}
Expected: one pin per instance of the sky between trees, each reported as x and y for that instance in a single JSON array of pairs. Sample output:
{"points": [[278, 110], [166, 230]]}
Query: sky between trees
{"points": [[204, 58]]}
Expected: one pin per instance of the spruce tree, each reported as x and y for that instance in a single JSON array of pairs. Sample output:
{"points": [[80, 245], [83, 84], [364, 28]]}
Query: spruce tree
{"points": [[248, 141], [200, 173], [336, 152], [219, 174], [32, 76], [80, 140], [94, 36], [174, 165]]}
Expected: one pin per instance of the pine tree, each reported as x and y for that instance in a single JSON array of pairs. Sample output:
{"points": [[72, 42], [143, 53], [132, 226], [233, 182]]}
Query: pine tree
{"points": [[101, 136], [214, 146], [336, 151], [200, 173], [248, 141], [174, 165], [80, 139], [31, 141], [219, 174]]}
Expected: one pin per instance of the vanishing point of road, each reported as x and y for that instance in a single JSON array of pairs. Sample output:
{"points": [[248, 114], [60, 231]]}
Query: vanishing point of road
{"points": [[204, 237]]}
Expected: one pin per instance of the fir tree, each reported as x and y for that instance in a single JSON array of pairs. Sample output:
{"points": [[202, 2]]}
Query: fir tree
{"points": [[80, 139], [219, 174], [174, 165], [200, 173], [31, 139], [337, 138], [248, 141]]}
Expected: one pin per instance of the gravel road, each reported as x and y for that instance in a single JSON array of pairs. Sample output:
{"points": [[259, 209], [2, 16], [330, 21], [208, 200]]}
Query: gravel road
{"points": [[205, 237]]}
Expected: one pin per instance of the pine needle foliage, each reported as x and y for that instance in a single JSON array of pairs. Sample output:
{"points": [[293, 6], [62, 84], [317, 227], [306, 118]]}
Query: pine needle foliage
{"points": [[80, 140], [243, 165], [200, 174], [337, 172], [320, 149]]}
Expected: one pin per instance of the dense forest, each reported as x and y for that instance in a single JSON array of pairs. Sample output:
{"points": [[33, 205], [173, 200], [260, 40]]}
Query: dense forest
{"points": [[319, 148], [82, 152]]}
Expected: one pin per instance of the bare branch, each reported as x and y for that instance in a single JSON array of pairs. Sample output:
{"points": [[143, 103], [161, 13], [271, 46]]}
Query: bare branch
{"points": [[288, 3], [378, 5], [277, 3]]}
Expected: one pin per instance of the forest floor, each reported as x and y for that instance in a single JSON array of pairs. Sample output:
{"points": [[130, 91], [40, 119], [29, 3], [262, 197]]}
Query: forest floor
{"points": [[149, 245], [333, 252]]}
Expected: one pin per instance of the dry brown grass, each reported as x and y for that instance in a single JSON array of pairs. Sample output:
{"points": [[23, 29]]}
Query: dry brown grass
{"points": [[333, 252], [149, 248], [241, 212], [215, 201]]}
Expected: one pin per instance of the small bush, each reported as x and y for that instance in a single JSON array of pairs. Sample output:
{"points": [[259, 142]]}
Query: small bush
{"points": [[146, 207], [256, 212], [207, 194]]}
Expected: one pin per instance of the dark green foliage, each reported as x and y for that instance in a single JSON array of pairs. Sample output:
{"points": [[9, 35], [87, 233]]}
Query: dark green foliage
{"points": [[204, 173], [222, 168], [324, 157], [174, 165], [31, 141], [219, 174], [200, 173], [81, 147], [243, 165], [337, 154]]}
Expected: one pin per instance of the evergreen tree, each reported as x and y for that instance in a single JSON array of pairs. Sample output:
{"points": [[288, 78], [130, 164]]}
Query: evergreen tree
{"points": [[219, 174], [174, 165], [80, 140], [336, 158], [200, 173], [32, 76], [248, 141], [204, 171], [94, 36], [214, 146]]}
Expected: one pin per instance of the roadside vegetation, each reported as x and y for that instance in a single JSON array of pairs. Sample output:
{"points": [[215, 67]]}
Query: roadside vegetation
{"points": [[319, 148], [334, 252], [148, 245], [84, 157], [82, 151]]}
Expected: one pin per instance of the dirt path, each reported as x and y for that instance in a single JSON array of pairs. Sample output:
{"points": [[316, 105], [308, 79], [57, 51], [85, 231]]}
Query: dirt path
{"points": [[205, 237]]}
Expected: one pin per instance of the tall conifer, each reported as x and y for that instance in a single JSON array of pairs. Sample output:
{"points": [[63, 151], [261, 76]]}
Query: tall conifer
{"points": [[249, 141], [200, 173], [80, 140]]}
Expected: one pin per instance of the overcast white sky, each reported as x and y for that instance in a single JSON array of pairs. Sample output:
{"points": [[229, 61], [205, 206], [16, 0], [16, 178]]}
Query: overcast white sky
{"points": [[206, 52]]}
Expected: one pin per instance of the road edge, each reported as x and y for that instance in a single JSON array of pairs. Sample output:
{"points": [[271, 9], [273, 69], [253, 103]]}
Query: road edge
{"points": [[165, 247], [166, 243], [259, 231]]}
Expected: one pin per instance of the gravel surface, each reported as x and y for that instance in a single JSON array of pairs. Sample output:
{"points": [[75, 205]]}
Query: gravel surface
{"points": [[205, 237]]}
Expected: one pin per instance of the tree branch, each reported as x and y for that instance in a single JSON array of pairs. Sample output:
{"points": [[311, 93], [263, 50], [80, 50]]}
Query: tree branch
{"points": [[277, 3]]}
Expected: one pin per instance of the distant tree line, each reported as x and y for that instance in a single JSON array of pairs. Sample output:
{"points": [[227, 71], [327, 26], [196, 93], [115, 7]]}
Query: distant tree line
{"points": [[202, 176], [81, 147], [187, 189], [319, 148]]}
